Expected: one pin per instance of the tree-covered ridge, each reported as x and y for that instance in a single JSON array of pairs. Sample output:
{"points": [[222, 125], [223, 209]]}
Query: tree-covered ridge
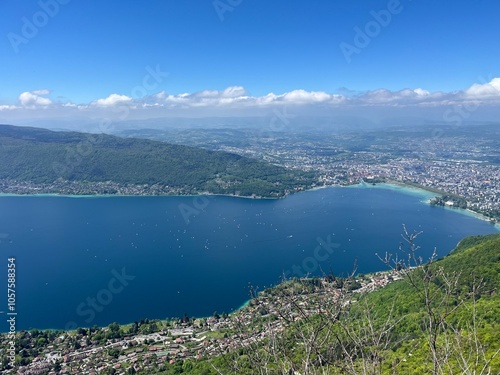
{"points": [[49, 159]]}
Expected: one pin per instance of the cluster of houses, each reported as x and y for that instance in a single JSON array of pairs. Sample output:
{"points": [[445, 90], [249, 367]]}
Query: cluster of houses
{"points": [[188, 339]]}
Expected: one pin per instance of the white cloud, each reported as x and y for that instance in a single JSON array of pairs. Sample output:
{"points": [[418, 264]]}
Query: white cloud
{"points": [[302, 96], [34, 99], [234, 92], [403, 97], [205, 98], [266, 99], [41, 92], [235, 97], [421, 92], [486, 90], [237, 101], [7, 107], [112, 100]]}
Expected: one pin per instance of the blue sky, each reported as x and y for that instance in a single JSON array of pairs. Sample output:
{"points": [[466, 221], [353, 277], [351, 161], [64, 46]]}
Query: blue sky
{"points": [[228, 57]]}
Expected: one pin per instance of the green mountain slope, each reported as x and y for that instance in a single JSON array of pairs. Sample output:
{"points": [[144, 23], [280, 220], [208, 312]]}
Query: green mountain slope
{"points": [[42, 157], [463, 309], [441, 318]]}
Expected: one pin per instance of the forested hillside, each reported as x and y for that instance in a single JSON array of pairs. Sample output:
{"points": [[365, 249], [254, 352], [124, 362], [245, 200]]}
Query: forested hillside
{"points": [[50, 159]]}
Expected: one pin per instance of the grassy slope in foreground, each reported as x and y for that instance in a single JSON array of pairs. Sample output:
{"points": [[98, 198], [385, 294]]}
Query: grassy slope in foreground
{"points": [[475, 261], [42, 157], [393, 323]]}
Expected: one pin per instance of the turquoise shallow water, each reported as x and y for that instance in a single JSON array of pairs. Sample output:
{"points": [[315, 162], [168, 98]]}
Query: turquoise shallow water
{"points": [[97, 260]]}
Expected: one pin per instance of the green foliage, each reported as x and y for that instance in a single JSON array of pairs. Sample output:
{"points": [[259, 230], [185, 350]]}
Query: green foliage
{"points": [[456, 201], [476, 259], [389, 330], [41, 156]]}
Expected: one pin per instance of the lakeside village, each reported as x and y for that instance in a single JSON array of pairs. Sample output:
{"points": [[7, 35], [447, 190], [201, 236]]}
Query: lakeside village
{"points": [[459, 166], [455, 169], [460, 169], [149, 346], [459, 185], [455, 184]]}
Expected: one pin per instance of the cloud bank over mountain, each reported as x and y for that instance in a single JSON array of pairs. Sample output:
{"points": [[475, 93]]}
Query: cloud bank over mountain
{"points": [[481, 100]]}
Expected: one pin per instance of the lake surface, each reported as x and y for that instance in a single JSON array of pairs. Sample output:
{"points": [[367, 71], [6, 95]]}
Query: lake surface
{"points": [[95, 260]]}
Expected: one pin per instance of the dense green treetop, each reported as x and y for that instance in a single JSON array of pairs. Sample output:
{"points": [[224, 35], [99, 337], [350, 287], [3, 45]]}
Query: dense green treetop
{"points": [[41, 156]]}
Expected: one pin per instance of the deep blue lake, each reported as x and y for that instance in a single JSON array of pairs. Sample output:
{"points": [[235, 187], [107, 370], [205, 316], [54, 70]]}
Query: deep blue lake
{"points": [[95, 260]]}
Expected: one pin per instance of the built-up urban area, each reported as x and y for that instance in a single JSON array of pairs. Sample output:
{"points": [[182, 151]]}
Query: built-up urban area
{"points": [[150, 346], [462, 164]]}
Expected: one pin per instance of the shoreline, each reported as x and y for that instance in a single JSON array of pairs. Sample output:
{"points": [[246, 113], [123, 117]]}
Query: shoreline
{"points": [[244, 305], [413, 188], [402, 188], [405, 188], [205, 194], [417, 187], [399, 186]]}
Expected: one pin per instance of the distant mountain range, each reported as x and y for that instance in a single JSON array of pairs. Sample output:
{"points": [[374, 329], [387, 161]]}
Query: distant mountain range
{"points": [[44, 161]]}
